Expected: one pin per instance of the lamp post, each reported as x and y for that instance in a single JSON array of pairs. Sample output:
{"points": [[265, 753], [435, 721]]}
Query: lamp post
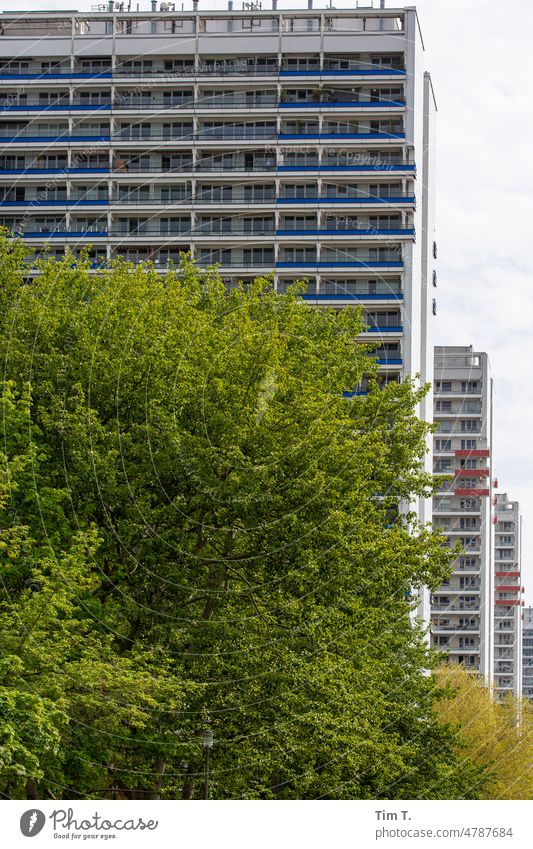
{"points": [[207, 741]]}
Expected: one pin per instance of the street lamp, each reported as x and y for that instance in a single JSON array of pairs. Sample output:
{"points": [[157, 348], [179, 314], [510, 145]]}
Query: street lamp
{"points": [[207, 742]]}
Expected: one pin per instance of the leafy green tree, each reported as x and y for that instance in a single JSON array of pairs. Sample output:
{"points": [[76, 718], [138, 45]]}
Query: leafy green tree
{"points": [[204, 530], [495, 735]]}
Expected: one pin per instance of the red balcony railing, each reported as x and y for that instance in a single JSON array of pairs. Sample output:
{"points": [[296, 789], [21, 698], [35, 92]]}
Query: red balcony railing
{"points": [[475, 452]]}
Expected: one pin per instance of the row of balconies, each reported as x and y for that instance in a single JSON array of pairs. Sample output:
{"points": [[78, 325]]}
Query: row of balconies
{"points": [[200, 129], [161, 68], [218, 193], [260, 257], [277, 221], [197, 160], [263, 256], [323, 97], [317, 288]]}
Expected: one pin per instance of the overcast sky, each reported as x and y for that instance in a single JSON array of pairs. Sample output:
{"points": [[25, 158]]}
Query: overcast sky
{"points": [[478, 52]]}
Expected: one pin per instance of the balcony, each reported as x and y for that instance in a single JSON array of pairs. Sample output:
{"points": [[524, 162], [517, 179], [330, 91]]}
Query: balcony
{"points": [[353, 163], [59, 105], [50, 136], [257, 232], [459, 650], [341, 104], [384, 328], [148, 233], [472, 452], [45, 233], [397, 200], [457, 529], [131, 199], [448, 393], [57, 170], [348, 290], [188, 103], [62, 201], [231, 166], [444, 509], [49, 71], [340, 231], [377, 136], [239, 68], [348, 262]]}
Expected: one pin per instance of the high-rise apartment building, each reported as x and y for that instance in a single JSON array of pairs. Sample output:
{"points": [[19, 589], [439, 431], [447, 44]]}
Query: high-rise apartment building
{"points": [[507, 596], [462, 610], [292, 141], [527, 653]]}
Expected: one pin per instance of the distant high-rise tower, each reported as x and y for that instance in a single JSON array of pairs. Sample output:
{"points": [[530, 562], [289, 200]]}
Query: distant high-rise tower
{"points": [[527, 653], [462, 610], [507, 600]]}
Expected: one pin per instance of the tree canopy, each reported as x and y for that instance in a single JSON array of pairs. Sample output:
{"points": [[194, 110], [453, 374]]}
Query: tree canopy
{"points": [[496, 735], [198, 528]]}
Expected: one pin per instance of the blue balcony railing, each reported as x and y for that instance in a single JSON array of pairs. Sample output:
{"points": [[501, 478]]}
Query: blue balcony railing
{"points": [[407, 199], [378, 166], [348, 263], [384, 329], [54, 202], [65, 170], [53, 107], [46, 137], [407, 231]]}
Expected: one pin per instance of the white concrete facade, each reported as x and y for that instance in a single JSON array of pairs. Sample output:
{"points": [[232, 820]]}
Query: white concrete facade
{"points": [[527, 653], [508, 591], [462, 610]]}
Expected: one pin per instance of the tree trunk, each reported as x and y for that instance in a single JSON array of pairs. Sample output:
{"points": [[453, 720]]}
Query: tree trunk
{"points": [[31, 789]]}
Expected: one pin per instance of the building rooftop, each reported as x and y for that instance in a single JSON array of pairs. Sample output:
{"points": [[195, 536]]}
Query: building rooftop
{"points": [[237, 7]]}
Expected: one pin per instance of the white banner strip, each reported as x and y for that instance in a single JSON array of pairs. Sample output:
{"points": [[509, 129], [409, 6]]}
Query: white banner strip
{"points": [[268, 825]]}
